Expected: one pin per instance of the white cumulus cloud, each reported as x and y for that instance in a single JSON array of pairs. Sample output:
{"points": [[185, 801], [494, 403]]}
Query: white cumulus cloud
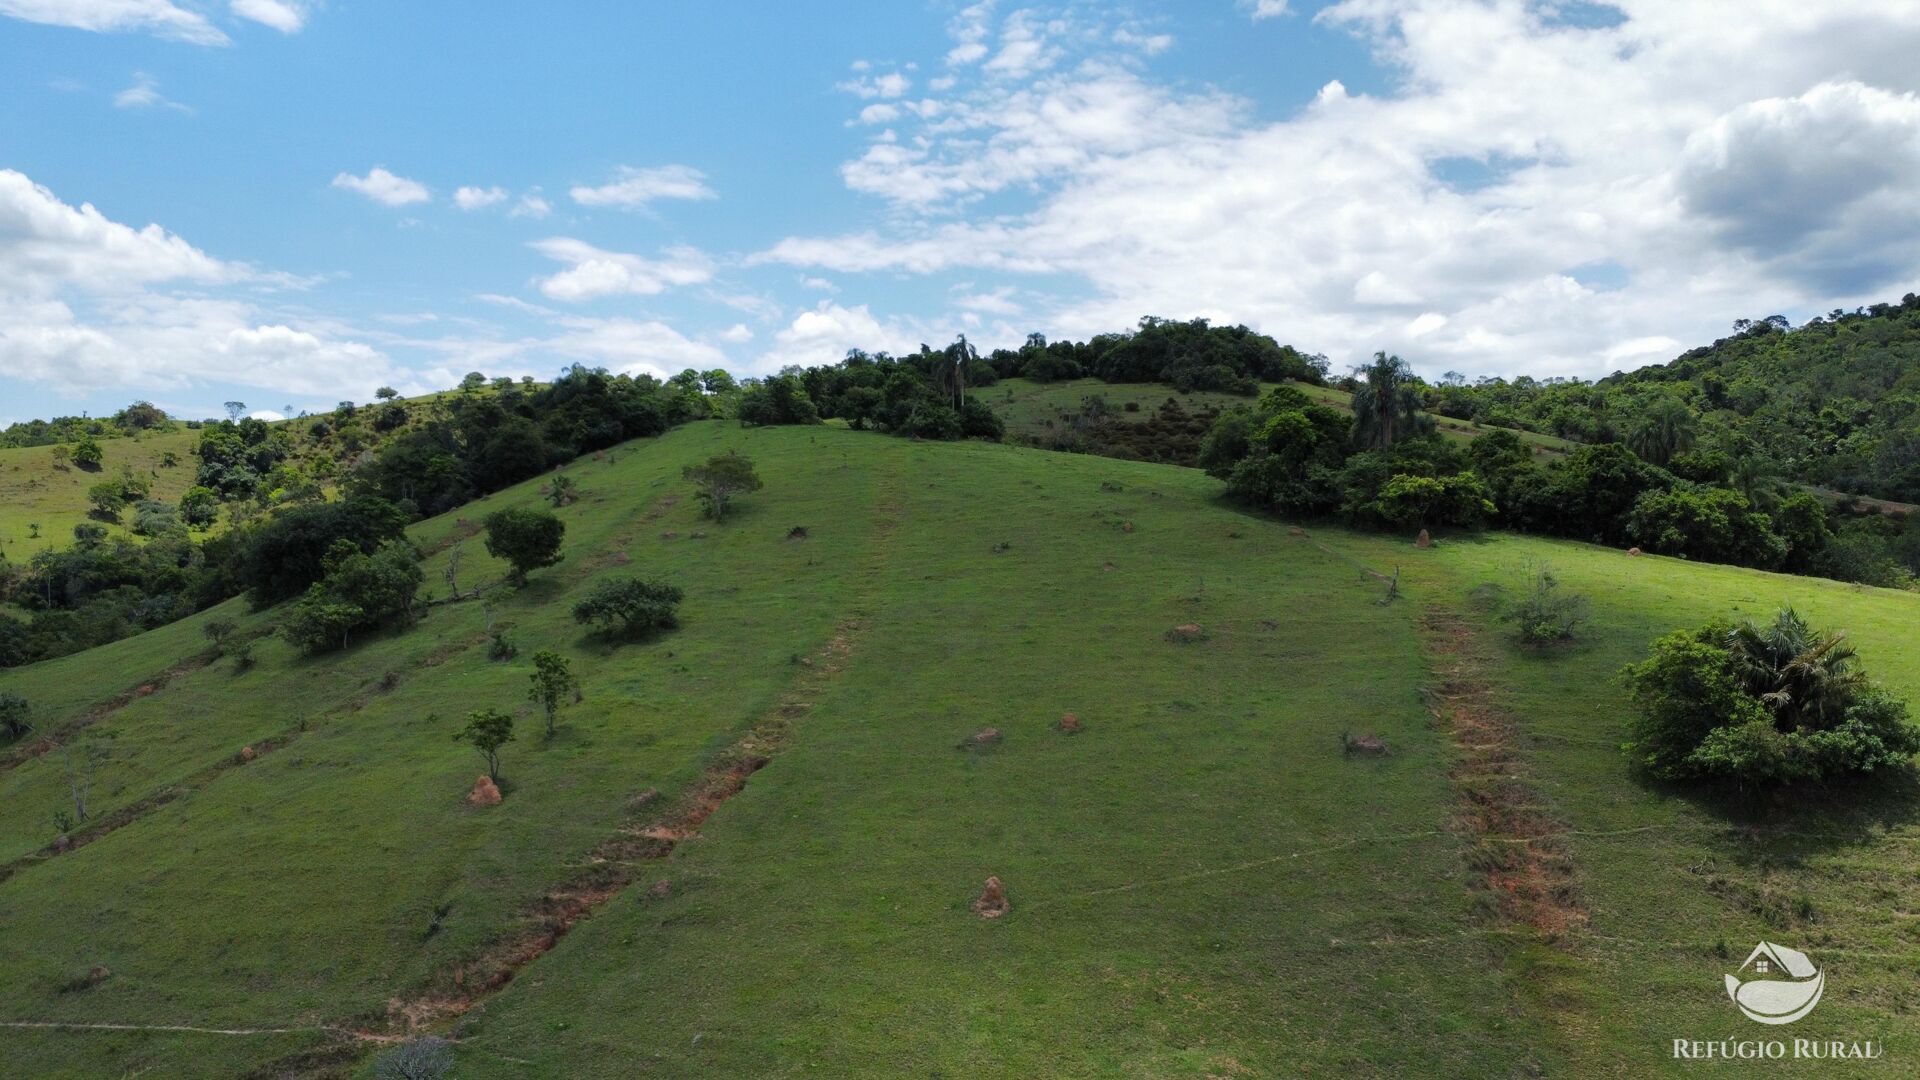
{"points": [[594, 273], [478, 198], [634, 188], [1712, 173], [285, 16], [161, 18], [384, 187]]}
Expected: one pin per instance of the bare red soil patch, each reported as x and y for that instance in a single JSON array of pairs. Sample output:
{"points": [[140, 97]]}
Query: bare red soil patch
{"points": [[1517, 847]]}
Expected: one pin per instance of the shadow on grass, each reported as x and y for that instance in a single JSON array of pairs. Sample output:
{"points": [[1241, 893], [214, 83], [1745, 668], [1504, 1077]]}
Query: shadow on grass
{"points": [[604, 642], [1782, 826]]}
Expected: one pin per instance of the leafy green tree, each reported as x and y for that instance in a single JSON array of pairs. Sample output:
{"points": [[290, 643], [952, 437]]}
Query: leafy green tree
{"points": [[360, 591], [152, 517], [1414, 502], [779, 399], [1802, 521], [16, 646], [140, 416], [552, 681], [1715, 524], [282, 558], [106, 500], [1386, 405], [630, 606], [563, 490], [219, 631], [527, 539], [87, 454], [200, 507], [487, 731], [720, 479], [1279, 454], [386, 393]]}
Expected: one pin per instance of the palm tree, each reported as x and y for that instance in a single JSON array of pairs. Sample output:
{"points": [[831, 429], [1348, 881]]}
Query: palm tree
{"points": [[1754, 477], [1664, 428], [1805, 678], [1387, 407]]}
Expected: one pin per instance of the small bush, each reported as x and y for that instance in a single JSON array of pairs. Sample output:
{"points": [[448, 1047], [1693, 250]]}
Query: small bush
{"points": [[1547, 614], [500, 647], [423, 1058], [219, 631], [16, 716], [630, 606]]}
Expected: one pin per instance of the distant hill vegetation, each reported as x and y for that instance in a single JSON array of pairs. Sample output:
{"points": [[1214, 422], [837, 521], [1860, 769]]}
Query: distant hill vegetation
{"points": [[1737, 452], [1833, 403]]}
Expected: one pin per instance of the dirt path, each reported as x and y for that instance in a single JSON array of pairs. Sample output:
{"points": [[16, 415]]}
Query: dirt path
{"points": [[1517, 847], [650, 832], [47, 743]]}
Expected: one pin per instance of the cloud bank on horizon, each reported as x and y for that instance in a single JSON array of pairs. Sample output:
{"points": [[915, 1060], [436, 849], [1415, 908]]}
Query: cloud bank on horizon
{"points": [[1547, 188]]}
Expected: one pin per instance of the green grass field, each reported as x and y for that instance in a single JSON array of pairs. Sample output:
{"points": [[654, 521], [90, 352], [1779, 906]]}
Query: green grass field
{"points": [[34, 491], [1202, 883]]}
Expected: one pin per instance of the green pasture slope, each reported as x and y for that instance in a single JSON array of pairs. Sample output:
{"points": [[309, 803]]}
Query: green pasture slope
{"points": [[1202, 884], [33, 491]]}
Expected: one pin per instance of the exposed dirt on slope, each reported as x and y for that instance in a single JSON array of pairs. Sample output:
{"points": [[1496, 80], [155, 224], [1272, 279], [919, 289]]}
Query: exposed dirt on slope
{"points": [[121, 817], [147, 687], [1517, 846], [649, 834]]}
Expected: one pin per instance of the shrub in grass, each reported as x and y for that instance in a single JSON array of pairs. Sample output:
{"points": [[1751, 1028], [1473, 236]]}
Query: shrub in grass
{"points": [[16, 716], [87, 454], [1753, 703], [422, 1058], [219, 631], [500, 647], [630, 607], [552, 680], [1547, 614], [720, 479]]}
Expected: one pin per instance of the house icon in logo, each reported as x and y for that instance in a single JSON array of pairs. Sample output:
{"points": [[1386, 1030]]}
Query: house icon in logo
{"points": [[1780, 985]]}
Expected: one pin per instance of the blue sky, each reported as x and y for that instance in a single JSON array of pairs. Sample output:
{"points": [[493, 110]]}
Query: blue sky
{"points": [[292, 203]]}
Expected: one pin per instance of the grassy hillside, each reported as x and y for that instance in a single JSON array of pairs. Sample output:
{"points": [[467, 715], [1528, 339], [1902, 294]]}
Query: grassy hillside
{"points": [[33, 491], [1202, 883]]}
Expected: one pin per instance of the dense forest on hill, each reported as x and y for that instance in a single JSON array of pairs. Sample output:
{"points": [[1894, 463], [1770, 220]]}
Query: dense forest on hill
{"points": [[1834, 403]]}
